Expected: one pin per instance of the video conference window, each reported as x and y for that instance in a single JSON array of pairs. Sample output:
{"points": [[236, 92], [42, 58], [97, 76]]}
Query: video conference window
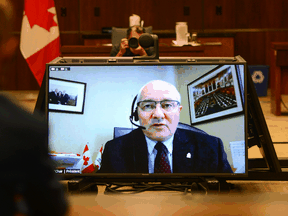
{"points": [[82, 130]]}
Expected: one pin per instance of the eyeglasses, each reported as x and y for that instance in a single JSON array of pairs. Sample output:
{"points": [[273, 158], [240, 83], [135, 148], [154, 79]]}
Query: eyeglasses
{"points": [[167, 105]]}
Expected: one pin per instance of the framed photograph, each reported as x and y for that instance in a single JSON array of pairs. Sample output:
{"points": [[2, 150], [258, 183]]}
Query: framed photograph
{"points": [[66, 96], [215, 95]]}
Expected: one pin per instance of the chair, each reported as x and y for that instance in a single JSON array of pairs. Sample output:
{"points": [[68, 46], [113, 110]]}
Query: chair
{"points": [[119, 33], [120, 131], [189, 127]]}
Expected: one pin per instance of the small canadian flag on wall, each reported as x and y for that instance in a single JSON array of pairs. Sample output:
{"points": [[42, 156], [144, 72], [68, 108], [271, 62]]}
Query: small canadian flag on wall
{"points": [[88, 166], [40, 41]]}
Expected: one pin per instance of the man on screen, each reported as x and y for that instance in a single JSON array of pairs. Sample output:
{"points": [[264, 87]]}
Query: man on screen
{"points": [[158, 146]]}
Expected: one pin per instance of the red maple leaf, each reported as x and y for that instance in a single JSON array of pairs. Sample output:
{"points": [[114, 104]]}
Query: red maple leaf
{"points": [[85, 149], [86, 159], [101, 149], [37, 13]]}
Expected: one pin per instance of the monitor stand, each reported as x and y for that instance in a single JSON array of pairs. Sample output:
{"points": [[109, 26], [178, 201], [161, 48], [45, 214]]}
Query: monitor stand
{"points": [[269, 167], [84, 184], [198, 186], [258, 133], [201, 185]]}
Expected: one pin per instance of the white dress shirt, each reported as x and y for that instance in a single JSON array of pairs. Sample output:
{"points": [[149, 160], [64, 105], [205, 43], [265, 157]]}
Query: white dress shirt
{"points": [[152, 152]]}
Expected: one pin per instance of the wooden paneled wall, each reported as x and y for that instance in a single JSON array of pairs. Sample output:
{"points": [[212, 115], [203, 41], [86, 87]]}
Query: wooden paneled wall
{"points": [[255, 23]]}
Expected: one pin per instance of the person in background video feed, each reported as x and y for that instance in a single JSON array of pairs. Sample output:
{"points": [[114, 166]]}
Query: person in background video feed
{"points": [[123, 48], [28, 182], [158, 146], [53, 97], [64, 98]]}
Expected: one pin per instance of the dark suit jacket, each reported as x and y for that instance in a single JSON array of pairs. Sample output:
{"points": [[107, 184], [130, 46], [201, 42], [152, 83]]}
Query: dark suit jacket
{"points": [[53, 97], [129, 154], [64, 99], [26, 168]]}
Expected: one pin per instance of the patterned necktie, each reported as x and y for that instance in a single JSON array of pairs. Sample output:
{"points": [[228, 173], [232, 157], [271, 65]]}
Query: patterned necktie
{"points": [[161, 161]]}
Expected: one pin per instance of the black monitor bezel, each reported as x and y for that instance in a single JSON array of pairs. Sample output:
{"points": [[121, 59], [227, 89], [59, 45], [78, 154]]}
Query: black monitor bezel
{"points": [[146, 177]]}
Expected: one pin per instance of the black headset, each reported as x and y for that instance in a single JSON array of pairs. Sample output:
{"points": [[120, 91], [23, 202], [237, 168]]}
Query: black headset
{"points": [[134, 114]]}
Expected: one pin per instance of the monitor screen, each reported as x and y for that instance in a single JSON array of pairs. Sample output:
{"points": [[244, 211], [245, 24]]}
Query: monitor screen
{"points": [[196, 110]]}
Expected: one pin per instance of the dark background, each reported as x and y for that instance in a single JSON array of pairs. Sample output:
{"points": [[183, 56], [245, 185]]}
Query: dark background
{"points": [[255, 24]]}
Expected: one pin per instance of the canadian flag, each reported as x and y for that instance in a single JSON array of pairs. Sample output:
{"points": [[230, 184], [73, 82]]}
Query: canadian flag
{"points": [[99, 158], [88, 166], [40, 41]]}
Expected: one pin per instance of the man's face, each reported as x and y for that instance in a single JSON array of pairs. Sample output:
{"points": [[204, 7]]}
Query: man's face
{"points": [[160, 124], [136, 32]]}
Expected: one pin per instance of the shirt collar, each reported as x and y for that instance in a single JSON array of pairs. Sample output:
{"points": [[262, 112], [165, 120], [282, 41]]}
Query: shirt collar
{"points": [[151, 144]]}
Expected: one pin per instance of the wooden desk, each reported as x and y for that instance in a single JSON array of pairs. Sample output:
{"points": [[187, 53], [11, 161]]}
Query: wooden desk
{"points": [[78, 50], [279, 74], [213, 46], [164, 51], [224, 48], [176, 204], [187, 51]]}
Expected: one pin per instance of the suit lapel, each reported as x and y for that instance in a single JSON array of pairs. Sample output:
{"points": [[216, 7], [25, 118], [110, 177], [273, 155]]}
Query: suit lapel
{"points": [[140, 152], [183, 152]]}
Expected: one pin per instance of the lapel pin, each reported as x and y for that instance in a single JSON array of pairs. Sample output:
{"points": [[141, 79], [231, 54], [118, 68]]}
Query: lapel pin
{"points": [[188, 155]]}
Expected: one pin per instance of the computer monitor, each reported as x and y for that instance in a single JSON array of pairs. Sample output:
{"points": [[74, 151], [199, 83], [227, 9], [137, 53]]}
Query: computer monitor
{"points": [[87, 98]]}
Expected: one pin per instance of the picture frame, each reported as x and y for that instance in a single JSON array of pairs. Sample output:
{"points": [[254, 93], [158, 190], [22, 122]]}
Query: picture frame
{"points": [[66, 96], [215, 95]]}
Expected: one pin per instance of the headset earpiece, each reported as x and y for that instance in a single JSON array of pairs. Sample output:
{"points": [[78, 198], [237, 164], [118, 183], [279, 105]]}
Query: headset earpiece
{"points": [[135, 114]]}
